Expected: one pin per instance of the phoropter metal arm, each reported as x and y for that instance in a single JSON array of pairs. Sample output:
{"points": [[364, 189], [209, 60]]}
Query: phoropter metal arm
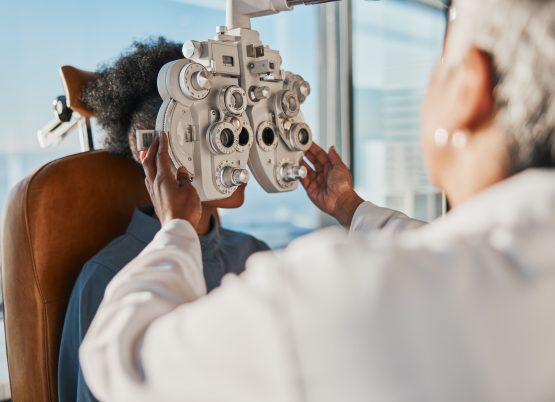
{"points": [[240, 12], [292, 3]]}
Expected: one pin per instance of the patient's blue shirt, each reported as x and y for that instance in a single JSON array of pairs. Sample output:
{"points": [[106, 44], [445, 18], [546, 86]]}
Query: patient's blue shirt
{"points": [[223, 251]]}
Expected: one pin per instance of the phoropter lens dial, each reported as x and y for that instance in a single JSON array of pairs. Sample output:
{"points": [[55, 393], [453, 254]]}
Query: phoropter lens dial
{"points": [[222, 138], [233, 99], [300, 137], [288, 104], [195, 81]]}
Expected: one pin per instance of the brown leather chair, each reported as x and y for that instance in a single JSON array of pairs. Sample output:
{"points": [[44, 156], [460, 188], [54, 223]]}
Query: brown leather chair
{"points": [[56, 219]]}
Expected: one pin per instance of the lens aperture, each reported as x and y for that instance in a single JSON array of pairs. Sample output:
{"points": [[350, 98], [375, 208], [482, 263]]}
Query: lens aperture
{"points": [[268, 136], [227, 138], [292, 103], [304, 137], [237, 100], [244, 137]]}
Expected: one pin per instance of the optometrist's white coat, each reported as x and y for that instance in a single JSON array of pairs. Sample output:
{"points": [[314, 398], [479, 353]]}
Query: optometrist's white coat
{"points": [[462, 309]]}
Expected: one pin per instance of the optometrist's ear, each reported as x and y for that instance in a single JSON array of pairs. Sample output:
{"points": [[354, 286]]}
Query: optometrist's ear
{"points": [[474, 91]]}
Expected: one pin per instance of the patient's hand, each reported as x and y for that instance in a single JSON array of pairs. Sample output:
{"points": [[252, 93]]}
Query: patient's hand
{"points": [[171, 191], [330, 184]]}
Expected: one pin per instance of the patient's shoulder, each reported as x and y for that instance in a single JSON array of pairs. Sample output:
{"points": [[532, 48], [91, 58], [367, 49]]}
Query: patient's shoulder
{"points": [[244, 240], [118, 253], [101, 268]]}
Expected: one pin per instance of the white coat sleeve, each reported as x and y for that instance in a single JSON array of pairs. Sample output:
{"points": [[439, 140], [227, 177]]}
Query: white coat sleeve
{"points": [[369, 217], [148, 342]]}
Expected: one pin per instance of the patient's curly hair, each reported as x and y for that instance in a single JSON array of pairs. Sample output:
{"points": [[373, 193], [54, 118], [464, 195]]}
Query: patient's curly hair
{"points": [[124, 96]]}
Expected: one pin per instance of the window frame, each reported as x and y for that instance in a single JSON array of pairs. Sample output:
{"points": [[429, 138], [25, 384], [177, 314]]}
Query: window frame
{"points": [[336, 82]]}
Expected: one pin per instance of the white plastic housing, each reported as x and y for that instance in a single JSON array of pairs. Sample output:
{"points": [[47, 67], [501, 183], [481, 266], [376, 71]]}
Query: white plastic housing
{"points": [[188, 124]]}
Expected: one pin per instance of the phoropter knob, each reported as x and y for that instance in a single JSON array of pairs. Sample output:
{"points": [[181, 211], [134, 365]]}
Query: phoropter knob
{"points": [[288, 104], [192, 49], [194, 81], [304, 90], [201, 81], [232, 177], [291, 173], [259, 93]]}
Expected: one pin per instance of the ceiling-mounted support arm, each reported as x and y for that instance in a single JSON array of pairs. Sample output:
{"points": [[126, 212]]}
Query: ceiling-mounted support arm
{"points": [[240, 12]]}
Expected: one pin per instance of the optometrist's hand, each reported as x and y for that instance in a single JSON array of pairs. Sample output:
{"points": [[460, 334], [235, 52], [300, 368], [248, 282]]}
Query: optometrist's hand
{"points": [[330, 184], [171, 191]]}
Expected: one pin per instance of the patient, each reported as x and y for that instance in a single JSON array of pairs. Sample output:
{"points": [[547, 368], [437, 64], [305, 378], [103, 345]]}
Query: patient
{"points": [[125, 98]]}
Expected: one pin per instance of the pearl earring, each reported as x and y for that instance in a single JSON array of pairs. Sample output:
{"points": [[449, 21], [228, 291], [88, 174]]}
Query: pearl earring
{"points": [[459, 139], [441, 138]]}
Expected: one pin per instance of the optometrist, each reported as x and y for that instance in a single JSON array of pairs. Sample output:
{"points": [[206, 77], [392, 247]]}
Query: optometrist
{"points": [[461, 309]]}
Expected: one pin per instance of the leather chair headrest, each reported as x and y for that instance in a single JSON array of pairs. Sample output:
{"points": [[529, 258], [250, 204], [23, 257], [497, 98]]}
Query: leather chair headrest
{"points": [[75, 81]]}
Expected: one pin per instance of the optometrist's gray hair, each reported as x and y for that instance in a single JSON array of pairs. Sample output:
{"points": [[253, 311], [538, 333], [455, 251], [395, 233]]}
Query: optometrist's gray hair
{"points": [[520, 37]]}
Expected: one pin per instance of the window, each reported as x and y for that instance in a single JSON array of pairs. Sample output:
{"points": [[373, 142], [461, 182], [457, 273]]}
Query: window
{"points": [[395, 45], [385, 52]]}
